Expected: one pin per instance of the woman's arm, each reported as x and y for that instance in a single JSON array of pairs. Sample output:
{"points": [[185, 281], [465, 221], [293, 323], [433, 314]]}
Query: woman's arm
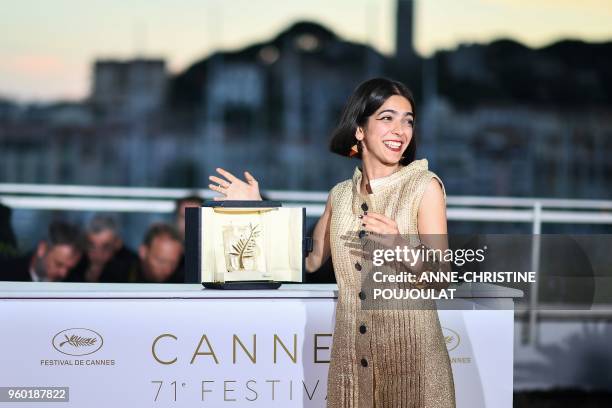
{"points": [[431, 219], [320, 237], [431, 224]]}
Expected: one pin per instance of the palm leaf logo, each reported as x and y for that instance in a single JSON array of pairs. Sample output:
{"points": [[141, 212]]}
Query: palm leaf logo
{"points": [[245, 246], [78, 341], [451, 338]]}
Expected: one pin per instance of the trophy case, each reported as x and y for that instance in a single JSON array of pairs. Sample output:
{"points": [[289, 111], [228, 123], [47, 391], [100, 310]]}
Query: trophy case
{"points": [[244, 244]]}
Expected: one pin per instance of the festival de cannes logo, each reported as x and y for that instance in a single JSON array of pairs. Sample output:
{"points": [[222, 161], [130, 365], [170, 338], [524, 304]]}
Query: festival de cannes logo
{"points": [[77, 342], [451, 338]]}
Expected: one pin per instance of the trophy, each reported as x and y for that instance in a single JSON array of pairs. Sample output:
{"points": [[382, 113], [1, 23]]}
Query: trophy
{"points": [[244, 244]]}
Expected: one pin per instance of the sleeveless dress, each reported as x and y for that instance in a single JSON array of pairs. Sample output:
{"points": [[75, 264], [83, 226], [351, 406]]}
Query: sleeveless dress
{"points": [[383, 357]]}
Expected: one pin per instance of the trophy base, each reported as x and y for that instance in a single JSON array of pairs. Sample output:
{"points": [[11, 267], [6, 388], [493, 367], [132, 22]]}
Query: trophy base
{"points": [[242, 285]]}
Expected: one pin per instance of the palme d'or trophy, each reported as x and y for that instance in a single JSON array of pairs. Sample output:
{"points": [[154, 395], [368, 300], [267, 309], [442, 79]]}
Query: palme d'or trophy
{"points": [[244, 244]]}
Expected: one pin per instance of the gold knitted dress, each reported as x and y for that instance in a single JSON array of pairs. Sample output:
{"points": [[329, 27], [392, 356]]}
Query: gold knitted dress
{"points": [[384, 357]]}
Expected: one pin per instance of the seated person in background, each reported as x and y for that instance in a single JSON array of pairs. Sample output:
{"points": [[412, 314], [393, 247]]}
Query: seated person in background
{"points": [[179, 211], [8, 243], [106, 258], [160, 255], [52, 258]]}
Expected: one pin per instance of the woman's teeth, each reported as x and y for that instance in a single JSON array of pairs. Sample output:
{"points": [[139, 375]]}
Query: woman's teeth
{"points": [[393, 145]]}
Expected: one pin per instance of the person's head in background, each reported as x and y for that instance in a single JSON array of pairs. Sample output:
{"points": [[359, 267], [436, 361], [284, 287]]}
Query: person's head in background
{"points": [[103, 239], [179, 211], [160, 252], [58, 253]]}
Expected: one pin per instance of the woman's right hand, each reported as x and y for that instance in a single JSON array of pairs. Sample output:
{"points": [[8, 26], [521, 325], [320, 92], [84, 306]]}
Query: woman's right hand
{"points": [[233, 188]]}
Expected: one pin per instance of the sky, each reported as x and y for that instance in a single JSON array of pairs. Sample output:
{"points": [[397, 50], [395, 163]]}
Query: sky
{"points": [[47, 48]]}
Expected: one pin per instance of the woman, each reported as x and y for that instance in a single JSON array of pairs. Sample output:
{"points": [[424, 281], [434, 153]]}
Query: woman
{"points": [[382, 358]]}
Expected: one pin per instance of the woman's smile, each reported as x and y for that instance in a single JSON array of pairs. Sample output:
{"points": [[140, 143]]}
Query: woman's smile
{"points": [[393, 145]]}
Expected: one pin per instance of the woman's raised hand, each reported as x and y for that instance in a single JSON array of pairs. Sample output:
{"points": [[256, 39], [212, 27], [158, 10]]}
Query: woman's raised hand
{"points": [[233, 188]]}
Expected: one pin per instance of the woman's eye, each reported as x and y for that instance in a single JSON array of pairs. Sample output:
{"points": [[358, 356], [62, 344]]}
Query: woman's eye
{"points": [[386, 118], [409, 122]]}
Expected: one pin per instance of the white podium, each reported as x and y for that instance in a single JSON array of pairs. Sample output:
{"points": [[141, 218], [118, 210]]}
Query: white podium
{"points": [[184, 346]]}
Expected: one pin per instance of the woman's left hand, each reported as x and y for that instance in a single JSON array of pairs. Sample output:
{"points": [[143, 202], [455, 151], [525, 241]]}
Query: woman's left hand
{"points": [[382, 229], [379, 224]]}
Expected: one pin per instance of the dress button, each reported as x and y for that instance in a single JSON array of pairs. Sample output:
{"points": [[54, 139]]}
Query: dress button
{"points": [[362, 329], [362, 295], [364, 207], [358, 266], [364, 362], [362, 234]]}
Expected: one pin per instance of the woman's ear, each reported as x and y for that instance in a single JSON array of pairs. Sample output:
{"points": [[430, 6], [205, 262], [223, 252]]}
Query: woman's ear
{"points": [[359, 135]]}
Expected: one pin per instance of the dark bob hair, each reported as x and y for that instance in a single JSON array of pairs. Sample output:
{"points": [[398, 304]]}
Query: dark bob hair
{"points": [[365, 100]]}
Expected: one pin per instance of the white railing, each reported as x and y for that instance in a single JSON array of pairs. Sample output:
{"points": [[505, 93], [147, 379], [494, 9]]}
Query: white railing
{"points": [[460, 208], [534, 211]]}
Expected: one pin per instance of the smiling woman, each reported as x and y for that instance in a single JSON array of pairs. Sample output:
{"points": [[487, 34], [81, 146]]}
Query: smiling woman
{"points": [[385, 357], [392, 194]]}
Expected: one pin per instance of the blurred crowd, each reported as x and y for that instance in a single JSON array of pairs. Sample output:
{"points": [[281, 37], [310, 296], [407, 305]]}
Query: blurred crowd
{"points": [[96, 252]]}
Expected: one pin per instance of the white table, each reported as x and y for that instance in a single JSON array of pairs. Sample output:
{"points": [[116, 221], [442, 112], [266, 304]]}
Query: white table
{"points": [[184, 346]]}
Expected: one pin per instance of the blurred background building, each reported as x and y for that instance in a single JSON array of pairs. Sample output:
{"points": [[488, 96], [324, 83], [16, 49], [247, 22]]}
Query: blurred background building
{"points": [[494, 119]]}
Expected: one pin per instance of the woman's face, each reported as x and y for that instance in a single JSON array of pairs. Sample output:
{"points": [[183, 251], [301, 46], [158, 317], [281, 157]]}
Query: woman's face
{"points": [[387, 132]]}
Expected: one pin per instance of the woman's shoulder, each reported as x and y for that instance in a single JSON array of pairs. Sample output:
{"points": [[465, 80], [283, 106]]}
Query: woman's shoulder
{"points": [[340, 190], [416, 169], [420, 176], [341, 186], [424, 180], [416, 180]]}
